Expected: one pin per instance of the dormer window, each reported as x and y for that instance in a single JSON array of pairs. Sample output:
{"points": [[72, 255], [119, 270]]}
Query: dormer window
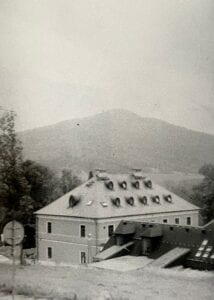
{"points": [[73, 201], [123, 185], [143, 200], [130, 201], [148, 184], [109, 185], [156, 199], [136, 184], [168, 198], [116, 201]]}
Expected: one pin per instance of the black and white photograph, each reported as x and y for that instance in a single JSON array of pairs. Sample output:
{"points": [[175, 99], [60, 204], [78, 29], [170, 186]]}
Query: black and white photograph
{"points": [[106, 149]]}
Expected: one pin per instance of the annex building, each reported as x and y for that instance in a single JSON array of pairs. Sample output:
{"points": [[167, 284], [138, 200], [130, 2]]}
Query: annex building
{"points": [[74, 228]]}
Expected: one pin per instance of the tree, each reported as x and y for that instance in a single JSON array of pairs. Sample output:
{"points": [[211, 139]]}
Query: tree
{"points": [[68, 181], [14, 188], [44, 185], [204, 192]]}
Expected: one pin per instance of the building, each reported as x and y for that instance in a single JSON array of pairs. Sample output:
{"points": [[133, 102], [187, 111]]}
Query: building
{"points": [[167, 245], [74, 228]]}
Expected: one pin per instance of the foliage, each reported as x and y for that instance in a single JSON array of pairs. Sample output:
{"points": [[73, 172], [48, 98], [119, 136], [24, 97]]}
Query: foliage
{"points": [[43, 183], [25, 186], [68, 181], [14, 188], [204, 192]]}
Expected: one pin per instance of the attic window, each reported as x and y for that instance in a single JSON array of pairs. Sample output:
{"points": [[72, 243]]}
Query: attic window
{"points": [[156, 199], [148, 183], [143, 200], [116, 201], [73, 201], [130, 201], [209, 248], [136, 184], [109, 185], [168, 198], [123, 184]]}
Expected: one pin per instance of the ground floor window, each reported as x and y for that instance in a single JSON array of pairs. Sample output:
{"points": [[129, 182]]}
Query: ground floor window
{"points": [[49, 252], [188, 220], [177, 221], [83, 257], [165, 221], [110, 230]]}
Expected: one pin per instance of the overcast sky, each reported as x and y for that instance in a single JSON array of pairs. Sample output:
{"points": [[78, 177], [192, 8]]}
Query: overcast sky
{"points": [[63, 59]]}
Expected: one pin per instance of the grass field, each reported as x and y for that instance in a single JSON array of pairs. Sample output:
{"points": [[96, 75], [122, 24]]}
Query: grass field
{"points": [[90, 283]]}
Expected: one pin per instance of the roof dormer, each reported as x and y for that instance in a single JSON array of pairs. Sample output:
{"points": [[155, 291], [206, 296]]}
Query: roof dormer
{"points": [[148, 183], [130, 200], [73, 201], [123, 184], [110, 185]]}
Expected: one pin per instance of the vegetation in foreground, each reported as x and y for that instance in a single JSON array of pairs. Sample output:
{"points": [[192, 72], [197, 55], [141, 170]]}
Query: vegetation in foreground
{"points": [[25, 185], [92, 283]]}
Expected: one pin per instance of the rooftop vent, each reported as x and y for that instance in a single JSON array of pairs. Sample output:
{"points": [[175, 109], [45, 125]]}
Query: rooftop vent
{"points": [[104, 204], [109, 185], [168, 198], [123, 184], [137, 174], [136, 184], [156, 199], [101, 174], [89, 202], [130, 201], [116, 201], [148, 183], [90, 183], [73, 201], [143, 200]]}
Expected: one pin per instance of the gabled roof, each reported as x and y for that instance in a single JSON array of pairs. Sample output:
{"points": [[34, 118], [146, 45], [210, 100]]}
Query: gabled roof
{"points": [[96, 198]]}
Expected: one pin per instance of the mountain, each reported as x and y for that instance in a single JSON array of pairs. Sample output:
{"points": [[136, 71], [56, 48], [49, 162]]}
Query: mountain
{"points": [[117, 140]]}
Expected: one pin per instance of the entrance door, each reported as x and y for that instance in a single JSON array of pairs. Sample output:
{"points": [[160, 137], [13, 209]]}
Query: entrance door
{"points": [[83, 258]]}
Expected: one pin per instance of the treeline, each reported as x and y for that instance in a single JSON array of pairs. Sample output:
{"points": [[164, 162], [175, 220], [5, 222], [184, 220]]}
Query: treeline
{"points": [[25, 185], [201, 194]]}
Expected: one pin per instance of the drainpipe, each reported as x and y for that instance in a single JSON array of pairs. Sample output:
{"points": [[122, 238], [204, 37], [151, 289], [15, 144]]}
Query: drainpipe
{"points": [[37, 238], [96, 235]]}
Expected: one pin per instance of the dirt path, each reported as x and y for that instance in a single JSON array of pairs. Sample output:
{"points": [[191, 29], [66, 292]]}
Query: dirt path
{"points": [[90, 283]]}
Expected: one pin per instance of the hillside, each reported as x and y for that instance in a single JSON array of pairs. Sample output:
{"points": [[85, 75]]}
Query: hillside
{"points": [[118, 140]]}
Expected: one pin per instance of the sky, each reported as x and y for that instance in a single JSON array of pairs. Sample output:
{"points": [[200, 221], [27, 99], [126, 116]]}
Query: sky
{"points": [[65, 59]]}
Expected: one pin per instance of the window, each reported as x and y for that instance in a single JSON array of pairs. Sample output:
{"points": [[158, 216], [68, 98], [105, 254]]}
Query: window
{"points": [[82, 230], [177, 221], [110, 230], [83, 258], [49, 252], [188, 220], [204, 243], [165, 221], [49, 227], [198, 254]]}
